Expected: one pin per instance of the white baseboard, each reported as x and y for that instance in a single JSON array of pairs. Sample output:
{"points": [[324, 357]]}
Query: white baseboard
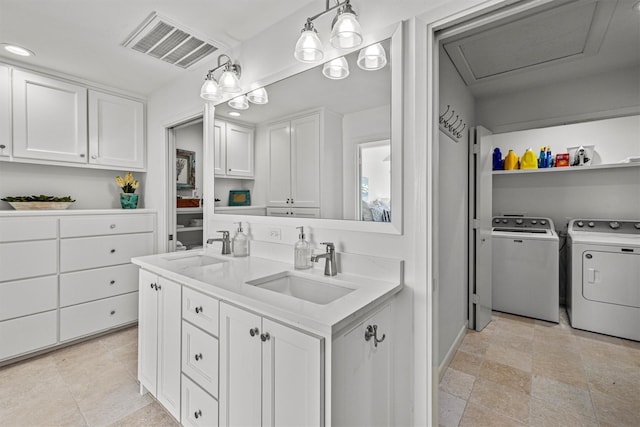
{"points": [[452, 351]]}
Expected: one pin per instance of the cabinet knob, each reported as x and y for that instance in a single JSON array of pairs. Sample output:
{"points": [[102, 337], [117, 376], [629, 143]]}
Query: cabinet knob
{"points": [[82, 155], [198, 310], [158, 287], [94, 157], [153, 285], [253, 332], [198, 356], [113, 282], [113, 251], [2, 146], [291, 201], [112, 312], [112, 226], [198, 413], [264, 337]]}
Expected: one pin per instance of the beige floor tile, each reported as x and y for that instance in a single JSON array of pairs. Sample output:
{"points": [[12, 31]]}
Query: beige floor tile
{"points": [[546, 414], [506, 375], [468, 363], [519, 328], [479, 416], [151, 415], [516, 342], [124, 337], [106, 407], [607, 352], [565, 367], [614, 379], [457, 383], [128, 357], [512, 317], [566, 398], [612, 411], [475, 343], [501, 399], [450, 409], [497, 352]]}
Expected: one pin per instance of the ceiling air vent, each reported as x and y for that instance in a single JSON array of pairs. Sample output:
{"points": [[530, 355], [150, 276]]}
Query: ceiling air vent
{"points": [[162, 39]]}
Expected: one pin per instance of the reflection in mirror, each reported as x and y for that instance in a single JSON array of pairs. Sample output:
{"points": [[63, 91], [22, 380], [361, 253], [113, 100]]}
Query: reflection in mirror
{"points": [[315, 144]]}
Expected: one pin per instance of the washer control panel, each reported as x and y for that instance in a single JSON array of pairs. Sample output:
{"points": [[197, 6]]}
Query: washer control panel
{"points": [[501, 222], [605, 226]]}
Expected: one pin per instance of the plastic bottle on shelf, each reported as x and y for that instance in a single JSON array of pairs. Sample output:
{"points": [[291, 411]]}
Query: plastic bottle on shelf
{"points": [[301, 252], [549, 163], [542, 158]]}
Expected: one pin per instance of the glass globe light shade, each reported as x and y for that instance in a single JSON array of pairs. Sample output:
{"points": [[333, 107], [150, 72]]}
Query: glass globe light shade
{"points": [[336, 69], [229, 83], [346, 31], [258, 96], [209, 90], [309, 47], [372, 57], [239, 103]]}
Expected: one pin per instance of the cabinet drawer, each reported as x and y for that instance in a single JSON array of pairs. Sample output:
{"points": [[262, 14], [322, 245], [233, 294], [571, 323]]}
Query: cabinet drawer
{"points": [[27, 334], [24, 297], [21, 260], [89, 285], [201, 310], [97, 225], [21, 229], [198, 408], [200, 357], [98, 315], [91, 252]]}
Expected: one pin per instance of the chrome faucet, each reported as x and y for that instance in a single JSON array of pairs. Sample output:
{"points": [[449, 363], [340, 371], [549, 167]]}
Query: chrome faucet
{"points": [[226, 242], [330, 259]]}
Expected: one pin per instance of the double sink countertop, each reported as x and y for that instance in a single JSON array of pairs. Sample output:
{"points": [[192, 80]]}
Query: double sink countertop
{"points": [[226, 278]]}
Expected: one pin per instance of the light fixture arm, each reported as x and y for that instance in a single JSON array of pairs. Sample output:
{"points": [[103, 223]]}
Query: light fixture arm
{"points": [[328, 9], [228, 66]]}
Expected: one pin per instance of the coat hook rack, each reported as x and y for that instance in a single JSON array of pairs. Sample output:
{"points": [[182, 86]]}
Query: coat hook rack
{"points": [[453, 128]]}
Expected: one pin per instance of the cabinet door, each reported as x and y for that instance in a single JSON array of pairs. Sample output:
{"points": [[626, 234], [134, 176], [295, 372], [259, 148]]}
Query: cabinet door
{"points": [[240, 367], [279, 184], [169, 339], [219, 148], [5, 117], [239, 151], [147, 330], [292, 377], [362, 385], [116, 131], [49, 119], [305, 162]]}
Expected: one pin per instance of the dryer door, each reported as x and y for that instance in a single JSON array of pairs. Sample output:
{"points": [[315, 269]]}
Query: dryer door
{"points": [[611, 277]]}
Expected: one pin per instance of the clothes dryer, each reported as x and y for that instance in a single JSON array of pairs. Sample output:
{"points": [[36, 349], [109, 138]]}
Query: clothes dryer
{"points": [[525, 267], [603, 273]]}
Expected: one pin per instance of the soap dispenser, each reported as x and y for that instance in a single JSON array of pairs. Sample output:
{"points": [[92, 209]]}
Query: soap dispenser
{"points": [[302, 252], [240, 244]]}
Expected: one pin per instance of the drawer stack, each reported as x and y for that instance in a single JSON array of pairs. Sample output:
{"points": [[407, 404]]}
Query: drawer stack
{"points": [[68, 276], [199, 359]]}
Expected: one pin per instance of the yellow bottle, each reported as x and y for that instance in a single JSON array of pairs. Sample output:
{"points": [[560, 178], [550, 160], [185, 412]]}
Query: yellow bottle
{"points": [[529, 160], [511, 161]]}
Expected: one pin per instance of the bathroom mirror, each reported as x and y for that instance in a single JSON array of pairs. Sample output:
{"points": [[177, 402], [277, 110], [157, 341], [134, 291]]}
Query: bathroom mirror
{"points": [[368, 106]]}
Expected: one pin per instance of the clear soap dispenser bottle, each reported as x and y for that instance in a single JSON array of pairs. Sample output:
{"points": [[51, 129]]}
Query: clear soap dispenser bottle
{"points": [[301, 252], [240, 244]]}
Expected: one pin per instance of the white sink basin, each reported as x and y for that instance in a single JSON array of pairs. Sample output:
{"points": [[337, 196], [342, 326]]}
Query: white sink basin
{"points": [[315, 291], [194, 260]]}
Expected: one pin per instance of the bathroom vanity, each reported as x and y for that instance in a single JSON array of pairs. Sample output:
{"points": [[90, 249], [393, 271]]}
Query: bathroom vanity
{"points": [[251, 341]]}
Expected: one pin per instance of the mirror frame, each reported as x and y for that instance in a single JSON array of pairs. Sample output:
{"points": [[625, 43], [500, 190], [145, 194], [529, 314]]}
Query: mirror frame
{"points": [[394, 32]]}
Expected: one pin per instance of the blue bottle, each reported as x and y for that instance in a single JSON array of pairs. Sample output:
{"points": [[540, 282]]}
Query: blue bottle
{"points": [[498, 162], [542, 159], [549, 158]]}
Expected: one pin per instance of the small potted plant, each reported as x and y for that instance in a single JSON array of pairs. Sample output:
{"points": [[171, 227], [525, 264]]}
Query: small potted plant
{"points": [[128, 200]]}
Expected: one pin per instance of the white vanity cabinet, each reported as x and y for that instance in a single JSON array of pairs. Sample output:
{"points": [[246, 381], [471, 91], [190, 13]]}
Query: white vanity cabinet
{"points": [[116, 131], [5, 111], [49, 118], [233, 150], [270, 374], [159, 338]]}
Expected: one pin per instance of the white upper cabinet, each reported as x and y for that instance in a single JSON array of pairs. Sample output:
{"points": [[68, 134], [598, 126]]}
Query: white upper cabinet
{"points": [[233, 150], [116, 131], [49, 119], [5, 112]]}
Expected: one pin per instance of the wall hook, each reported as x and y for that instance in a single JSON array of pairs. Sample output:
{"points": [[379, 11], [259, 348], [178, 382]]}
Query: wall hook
{"points": [[443, 114], [372, 332], [451, 125], [446, 121], [459, 133]]}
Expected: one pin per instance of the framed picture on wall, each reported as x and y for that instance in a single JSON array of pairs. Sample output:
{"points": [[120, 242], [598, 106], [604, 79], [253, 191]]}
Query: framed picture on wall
{"points": [[185, 169]]}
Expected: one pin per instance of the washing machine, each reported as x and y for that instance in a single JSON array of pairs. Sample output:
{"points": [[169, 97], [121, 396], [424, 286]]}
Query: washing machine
{"points": [[525, 267], [603, 276]]}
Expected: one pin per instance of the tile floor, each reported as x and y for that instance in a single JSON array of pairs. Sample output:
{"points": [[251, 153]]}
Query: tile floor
{"points": [[524, 372], [93, 383]]}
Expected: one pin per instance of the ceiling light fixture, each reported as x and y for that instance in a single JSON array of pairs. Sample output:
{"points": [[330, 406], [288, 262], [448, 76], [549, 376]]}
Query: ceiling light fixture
{"points": [[17, 50], [213, 90], [258, 96], [372, 57], [239, 103], [345, 33], [336, 69]]}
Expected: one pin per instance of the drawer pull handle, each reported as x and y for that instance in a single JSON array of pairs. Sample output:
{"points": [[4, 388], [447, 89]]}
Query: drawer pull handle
{"points": [[198, 413], [113, 251], [264, 337], [158, 287], [112, 226], [198, 310], [113, 282], [253, 332], [113, 312], [198, 356]]}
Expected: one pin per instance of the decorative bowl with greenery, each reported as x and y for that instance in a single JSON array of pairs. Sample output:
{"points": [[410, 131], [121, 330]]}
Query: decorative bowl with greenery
{"points": [[40, 202]]}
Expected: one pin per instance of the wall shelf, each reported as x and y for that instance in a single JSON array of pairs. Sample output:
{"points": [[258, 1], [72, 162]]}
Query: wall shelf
{"points": [[568, 169], [181, 229], [180, 211]]}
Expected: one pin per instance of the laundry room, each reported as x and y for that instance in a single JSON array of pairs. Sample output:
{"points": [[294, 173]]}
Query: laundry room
{"points": [[566, 92]]}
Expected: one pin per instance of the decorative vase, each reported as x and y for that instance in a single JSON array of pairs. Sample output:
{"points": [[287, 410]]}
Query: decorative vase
{"points": [[128, 200]]}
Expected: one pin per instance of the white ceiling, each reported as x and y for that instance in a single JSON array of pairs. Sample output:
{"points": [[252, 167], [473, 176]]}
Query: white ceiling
{"points": [[83, 37]]}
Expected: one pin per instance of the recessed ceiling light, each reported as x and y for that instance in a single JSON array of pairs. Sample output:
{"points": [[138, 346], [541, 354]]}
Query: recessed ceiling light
{"points": [[234, 113], [17, 50]]}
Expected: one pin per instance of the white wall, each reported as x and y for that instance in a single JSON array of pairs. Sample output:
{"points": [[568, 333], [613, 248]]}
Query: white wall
{"points": [[452, 212]]}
